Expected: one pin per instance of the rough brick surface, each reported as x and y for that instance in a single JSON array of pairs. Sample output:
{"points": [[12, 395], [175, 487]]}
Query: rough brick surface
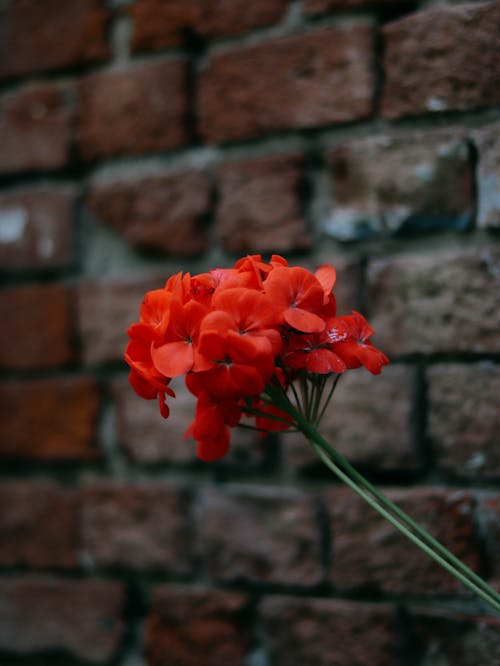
{"points": [[36, 329], [38, 525], [137, 526], [487, 140], [368, 553], [301, 81], [401, 184], [80, 617], [56, 33], [260, 206], [49, 419], [34, 129], [443, 58], [327, 632], [259, 535], [368, 421], [159, 24], [489, 520], [163, 213], [464, 419], [320, 6], [192, 626], [36, 228], [138, 110], [436, 302]]}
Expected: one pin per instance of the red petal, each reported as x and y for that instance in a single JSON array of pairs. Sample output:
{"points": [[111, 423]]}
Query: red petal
{"points": [[173, 359], [326, 276], [210, 450], [324, 361], [305, 321]]}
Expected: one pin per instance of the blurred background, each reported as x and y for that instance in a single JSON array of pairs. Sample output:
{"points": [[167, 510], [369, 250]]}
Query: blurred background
{"points": [[142, 138]]}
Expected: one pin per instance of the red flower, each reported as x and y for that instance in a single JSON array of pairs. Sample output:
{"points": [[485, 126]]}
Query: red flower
{"points": [[349, 337]]}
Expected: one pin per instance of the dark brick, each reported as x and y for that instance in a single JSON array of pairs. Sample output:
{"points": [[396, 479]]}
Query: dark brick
{"points": [[322, 6], [487, 141], [310, 80], [441, 59], [489, 520]]}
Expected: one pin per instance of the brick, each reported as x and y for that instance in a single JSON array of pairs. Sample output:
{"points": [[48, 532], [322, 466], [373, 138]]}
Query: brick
{"points": [[134, 111], [489, 520], [453, 638], [327, 632], [368, 553], [38, 529], [487, 141], [321, 6], [369, 421], [49, 419], [34, 129], [80, 617], [409, 183], [158, 24], [463, 418], [192, 626], [36, 228], [165, 213], [442, 59], [106, 308], [260, 207], [260, 535], [311, 80], [137, 526], [36, 327], [442, 301], [39, 37]]}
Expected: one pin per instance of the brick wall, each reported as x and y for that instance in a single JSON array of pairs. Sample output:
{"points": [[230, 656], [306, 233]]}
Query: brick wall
{"points": [[138, 138]]}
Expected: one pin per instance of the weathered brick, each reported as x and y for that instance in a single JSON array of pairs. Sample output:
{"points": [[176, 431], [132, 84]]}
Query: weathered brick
{"points": [[163, 213], [38, 37], [36, 228], [38, 526], [441, 301], [80, 617], [487, 141], [368, 553], [34, 129], [407, 183], [139, 526], [463, 418], [327, 632], [192, 626], [453, 639], [137, 110], [443, 58], [369, 421], [36, 329], [309, 80], [260, 208], [321, 6], [259, 535], [159, 24], [489, 520], [49, 419]]}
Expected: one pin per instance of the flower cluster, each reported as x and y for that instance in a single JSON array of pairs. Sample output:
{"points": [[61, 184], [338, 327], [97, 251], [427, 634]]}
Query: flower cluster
{"points": [[236, 332]]}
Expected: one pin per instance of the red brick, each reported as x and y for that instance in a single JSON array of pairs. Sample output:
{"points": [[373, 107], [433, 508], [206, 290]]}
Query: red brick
{"points": [[489, 520], [36, 228], [464, 419], [401, 183], [49, 419], [193, 626], [38, 525], [38, 37], [260, 207], [259, 535], [36, 329], [163, 213], [443, 301], [133, 111], [328, 632], [159, 24], [34, 129], [368, 552], [80, 617], [311, 80], [487, 141], [368, 421], [442, 59], [321, 6], [138, 526]]}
